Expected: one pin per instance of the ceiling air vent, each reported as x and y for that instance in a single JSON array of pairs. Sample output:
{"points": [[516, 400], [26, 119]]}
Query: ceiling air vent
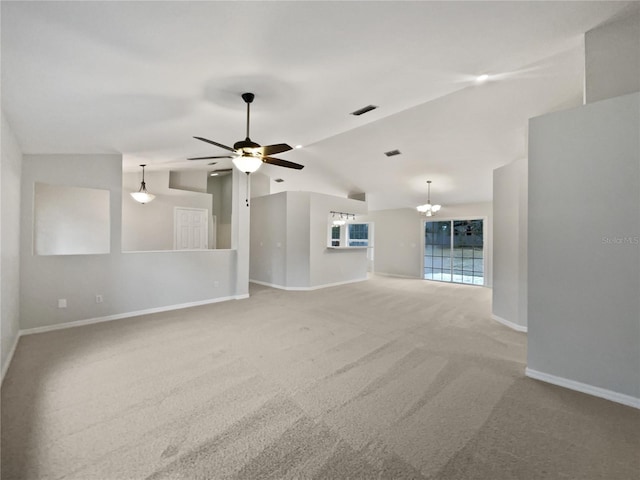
{"points": [[392, 153], [278, 180], [363, 110]]}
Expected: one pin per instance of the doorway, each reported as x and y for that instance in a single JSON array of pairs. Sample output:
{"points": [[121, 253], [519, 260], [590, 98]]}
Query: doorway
{"points": [[454, 251]]}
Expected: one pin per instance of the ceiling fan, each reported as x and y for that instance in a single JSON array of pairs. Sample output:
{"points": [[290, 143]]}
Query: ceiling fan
{"points": [[248, 156]]}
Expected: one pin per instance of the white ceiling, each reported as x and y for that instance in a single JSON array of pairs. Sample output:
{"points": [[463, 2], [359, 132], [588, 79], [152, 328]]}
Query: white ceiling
{"points": [[142, 78]]}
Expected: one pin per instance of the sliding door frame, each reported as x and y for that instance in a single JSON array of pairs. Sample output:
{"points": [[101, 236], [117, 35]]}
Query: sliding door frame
{"points": [[485, 223]]}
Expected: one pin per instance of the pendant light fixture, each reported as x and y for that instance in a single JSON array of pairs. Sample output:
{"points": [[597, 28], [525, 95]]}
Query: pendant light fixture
{"points": [[142, 196], [428, 210]]}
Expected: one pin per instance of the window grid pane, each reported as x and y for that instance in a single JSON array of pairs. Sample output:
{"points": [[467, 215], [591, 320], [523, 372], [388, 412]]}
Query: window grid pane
{"points": [[358, 234], [464, 263]]}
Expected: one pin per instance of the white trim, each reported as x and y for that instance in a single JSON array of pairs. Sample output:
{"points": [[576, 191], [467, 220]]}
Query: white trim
{"points": [[5, 367], [514, 326], [305, 289], [211, 250], [584, 388], [384, 274], [118, 316]]}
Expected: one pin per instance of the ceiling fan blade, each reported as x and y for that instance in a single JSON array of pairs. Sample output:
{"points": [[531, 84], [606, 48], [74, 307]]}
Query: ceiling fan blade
{"points": [[210, 158], [215, 143], [282, 163], [274, 149]]}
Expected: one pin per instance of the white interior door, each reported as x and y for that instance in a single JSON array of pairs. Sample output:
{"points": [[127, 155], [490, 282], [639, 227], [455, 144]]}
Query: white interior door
{"points": [[191, 228]]}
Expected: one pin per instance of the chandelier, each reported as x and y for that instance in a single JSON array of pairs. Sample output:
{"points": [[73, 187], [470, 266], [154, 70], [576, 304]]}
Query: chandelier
{"points": [[428, 209]]}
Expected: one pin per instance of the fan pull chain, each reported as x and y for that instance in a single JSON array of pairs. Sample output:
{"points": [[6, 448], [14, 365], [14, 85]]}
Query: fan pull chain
{"points": [[248, 186]]}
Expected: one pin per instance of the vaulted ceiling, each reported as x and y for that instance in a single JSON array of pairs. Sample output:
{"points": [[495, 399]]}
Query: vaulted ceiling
{"points": [[142, 78]]}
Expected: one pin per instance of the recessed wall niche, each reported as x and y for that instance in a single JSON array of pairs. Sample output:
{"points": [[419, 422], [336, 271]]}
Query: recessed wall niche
{"points": [[71, 220]]}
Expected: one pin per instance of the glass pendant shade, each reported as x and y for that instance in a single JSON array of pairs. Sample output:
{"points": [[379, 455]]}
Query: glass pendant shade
{"points": [[247, 163], [142, 196]]}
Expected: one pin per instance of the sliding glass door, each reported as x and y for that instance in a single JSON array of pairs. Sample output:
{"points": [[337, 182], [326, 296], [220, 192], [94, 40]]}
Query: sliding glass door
{"points": [[454, 251], [437, 251]]}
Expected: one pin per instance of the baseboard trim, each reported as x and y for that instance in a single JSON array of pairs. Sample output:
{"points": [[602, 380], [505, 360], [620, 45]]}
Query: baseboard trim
{"points": [[5, 367], [119, 316], [306, 289], [514, 326], [627, 400], [395, 275]]}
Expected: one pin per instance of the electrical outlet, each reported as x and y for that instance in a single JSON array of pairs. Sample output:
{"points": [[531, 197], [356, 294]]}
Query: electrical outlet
{"points": [[99, 298], [216, 283], [62, 303]]}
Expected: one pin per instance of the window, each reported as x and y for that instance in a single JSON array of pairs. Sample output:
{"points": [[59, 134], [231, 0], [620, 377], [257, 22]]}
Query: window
{"points": [[349, 235], [358, 234], [335, 236]]}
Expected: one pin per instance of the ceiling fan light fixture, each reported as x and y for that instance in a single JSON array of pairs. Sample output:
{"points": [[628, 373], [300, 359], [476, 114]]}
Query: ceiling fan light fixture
{"points": [[247, 163], [142, 195], [247, 155]]}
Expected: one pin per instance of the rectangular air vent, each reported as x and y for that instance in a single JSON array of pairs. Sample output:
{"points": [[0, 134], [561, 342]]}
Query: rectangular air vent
{"points": [[363, 110], [278, 180], [392, 153]]}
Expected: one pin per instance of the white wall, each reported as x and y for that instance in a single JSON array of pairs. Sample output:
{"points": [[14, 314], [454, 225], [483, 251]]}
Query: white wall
{"points": [[329, 266], [613, 59], [298, 255], [396, 242], [10, 173], [129, 282], [240, 231], [289, 241], [220, 188], [192, 180], [260, 185], [150, 226], [269, 239], [71, 220], [399, 237], [509, 244], [584, 252]]}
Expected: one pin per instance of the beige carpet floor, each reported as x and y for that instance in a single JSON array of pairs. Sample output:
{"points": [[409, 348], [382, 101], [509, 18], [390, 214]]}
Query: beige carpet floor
{"points": [[389, 378]]}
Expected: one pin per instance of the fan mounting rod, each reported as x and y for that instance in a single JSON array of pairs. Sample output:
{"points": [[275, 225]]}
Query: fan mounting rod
{"points": [[248, 98]]}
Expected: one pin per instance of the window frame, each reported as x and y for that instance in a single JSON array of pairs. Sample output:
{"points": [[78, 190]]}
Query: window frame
{"points": [[344, 236]]}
